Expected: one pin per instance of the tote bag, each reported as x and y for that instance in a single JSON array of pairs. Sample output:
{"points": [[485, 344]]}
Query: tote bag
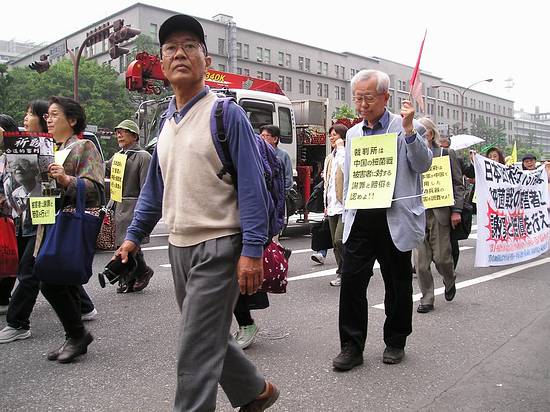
{"points": [[321, 239], [67, 252]]}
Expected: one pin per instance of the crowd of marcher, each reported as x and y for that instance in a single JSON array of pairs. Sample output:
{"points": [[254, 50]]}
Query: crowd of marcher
{"points": [[218, 230]]}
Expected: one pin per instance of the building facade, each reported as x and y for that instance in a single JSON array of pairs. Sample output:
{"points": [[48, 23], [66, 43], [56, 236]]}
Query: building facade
{"points": [[533, 129], [304, 72]]}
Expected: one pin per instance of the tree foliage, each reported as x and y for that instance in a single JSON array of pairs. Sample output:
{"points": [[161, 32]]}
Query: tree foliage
{"points": [[344, 112], [101, 93]]}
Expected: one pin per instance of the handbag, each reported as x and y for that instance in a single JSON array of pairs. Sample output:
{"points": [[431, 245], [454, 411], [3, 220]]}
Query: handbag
{"points": [[463, 229], [9, 259], [321, 238], [275, 269], [107, 233], [315, 202], [67, 251]]}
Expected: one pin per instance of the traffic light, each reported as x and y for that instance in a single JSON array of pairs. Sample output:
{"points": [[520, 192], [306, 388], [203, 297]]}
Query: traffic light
{"points": [[42, 65], [121, 34], [115, 51]]}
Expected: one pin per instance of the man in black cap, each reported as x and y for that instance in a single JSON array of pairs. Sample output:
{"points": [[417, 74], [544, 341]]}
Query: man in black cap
{"points": [[529, 162], [215, 246]]}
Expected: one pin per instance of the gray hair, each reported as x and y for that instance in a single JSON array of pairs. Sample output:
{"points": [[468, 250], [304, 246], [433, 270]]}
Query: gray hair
{"points": [[382, 79], [430, 125]]}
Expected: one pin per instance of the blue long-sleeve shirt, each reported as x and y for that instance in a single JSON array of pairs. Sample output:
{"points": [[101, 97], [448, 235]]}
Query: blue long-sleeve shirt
{"points": [[252, 201]]}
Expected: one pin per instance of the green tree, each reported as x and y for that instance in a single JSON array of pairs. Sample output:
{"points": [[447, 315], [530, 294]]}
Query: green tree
{"points": [[344, 112], [492, 135], [5, 80], [101, 93]]}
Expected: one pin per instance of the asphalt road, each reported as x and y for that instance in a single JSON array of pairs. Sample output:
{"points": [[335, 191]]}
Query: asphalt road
{"points": [[485, 351]]}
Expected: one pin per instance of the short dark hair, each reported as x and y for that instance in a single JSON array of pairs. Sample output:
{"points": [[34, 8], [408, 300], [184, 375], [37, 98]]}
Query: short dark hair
{"points": [[339, 129], [72, 110], [40, 108], [271, 129], [7, 123]]}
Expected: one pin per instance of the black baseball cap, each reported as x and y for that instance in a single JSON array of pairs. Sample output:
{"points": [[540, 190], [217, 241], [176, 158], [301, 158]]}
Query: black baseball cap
{"points": [[529, 156], [181, 23]]}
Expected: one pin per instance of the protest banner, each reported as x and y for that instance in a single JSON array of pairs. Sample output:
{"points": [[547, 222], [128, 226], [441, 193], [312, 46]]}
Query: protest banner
{"points": [[117, 176], [512, 215], [438, 184], [42, 210], [28, 156], [372, 171]]}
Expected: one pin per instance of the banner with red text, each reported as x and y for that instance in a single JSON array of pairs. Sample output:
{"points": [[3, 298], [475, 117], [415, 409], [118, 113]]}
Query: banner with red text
{"points": [[512, 215]]}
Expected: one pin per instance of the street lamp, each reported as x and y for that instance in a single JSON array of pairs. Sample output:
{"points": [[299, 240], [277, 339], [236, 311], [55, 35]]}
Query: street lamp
{"points": [[462, 93]]}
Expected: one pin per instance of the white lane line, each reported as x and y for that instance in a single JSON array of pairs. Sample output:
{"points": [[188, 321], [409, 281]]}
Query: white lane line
{"points": [[481, 279], [154, 248], [160, 235], [328, 272]]}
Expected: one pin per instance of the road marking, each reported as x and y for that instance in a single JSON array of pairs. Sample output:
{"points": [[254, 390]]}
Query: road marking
{"points": [[481, 279], [327, 272]]}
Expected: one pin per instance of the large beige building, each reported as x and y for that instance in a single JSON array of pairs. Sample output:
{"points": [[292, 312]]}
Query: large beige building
{"points": [[303, 71]]}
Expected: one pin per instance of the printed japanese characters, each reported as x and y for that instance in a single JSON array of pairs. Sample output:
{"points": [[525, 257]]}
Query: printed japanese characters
{"points": [[512, 213]]}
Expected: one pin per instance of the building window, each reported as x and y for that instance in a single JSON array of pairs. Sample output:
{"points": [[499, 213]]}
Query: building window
{"points": [[337, 92], [337, 70], [267, 76], [267, 56], [343, 93], [399, 101], [300, 63], [325, 90], [307, 65], [259, 54], [319, 66], [281, 59], [343, 72], [239, 50], [239, 70], [221, 46], [288, 84], [246, 72], [301, 86], [281, 82], [221, 67], [352, 72], [325, 69], [153, 31], [246, 51], [288, 60], [260, 75], [308, 87], [448, 114], [320, 89]]}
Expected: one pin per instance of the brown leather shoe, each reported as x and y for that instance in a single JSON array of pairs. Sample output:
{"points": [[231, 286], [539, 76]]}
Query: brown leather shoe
{"points": [[264, 401], [143, 280]]}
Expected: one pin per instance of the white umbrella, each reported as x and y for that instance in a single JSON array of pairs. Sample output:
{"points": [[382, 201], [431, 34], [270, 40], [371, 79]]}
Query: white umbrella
{"points": [[462, 141]]}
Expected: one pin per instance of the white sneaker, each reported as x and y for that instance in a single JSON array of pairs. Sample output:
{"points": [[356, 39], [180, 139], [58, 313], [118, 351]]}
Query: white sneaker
{"points": [[89, 316], [9, 334], [246, 335], [3, 309], [318, 258], [337, 281]]}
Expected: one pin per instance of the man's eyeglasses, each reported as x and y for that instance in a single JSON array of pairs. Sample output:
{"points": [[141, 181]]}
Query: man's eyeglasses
{"points": [[189, 48], [369, 98]]}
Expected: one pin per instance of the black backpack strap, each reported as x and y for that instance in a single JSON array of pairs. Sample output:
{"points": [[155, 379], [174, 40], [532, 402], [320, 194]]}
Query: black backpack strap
{"points": [[227, 165]]}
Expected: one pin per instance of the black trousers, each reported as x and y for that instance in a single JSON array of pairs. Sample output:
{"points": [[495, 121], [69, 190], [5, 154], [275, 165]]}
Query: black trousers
{"points": [[370, 239], [455, 251], [24, 297], [65, 300], [246, 303], [6, 286]]}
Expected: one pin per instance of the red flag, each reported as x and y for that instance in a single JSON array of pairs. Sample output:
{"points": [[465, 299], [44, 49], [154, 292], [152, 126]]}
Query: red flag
{"points": [[415, 83]]}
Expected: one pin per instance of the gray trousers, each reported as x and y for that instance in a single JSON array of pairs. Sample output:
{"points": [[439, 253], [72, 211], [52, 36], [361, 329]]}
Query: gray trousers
{"points": [[436, 247], [337, 230], [206, 288]]}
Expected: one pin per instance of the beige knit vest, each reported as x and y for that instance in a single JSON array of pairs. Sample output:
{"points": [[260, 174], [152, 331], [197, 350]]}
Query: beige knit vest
{"points": [[196, 205]]}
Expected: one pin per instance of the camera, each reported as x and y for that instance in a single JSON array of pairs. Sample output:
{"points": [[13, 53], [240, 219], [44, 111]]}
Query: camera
{"points": [[116, 271]]}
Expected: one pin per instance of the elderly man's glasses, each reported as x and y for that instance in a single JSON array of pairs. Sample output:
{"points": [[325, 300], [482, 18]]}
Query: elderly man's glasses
{"points": [[189, 48], [369, 98]]}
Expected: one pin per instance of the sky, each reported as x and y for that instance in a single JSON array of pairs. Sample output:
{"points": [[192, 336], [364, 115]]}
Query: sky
{"points": [[466, 40]]}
